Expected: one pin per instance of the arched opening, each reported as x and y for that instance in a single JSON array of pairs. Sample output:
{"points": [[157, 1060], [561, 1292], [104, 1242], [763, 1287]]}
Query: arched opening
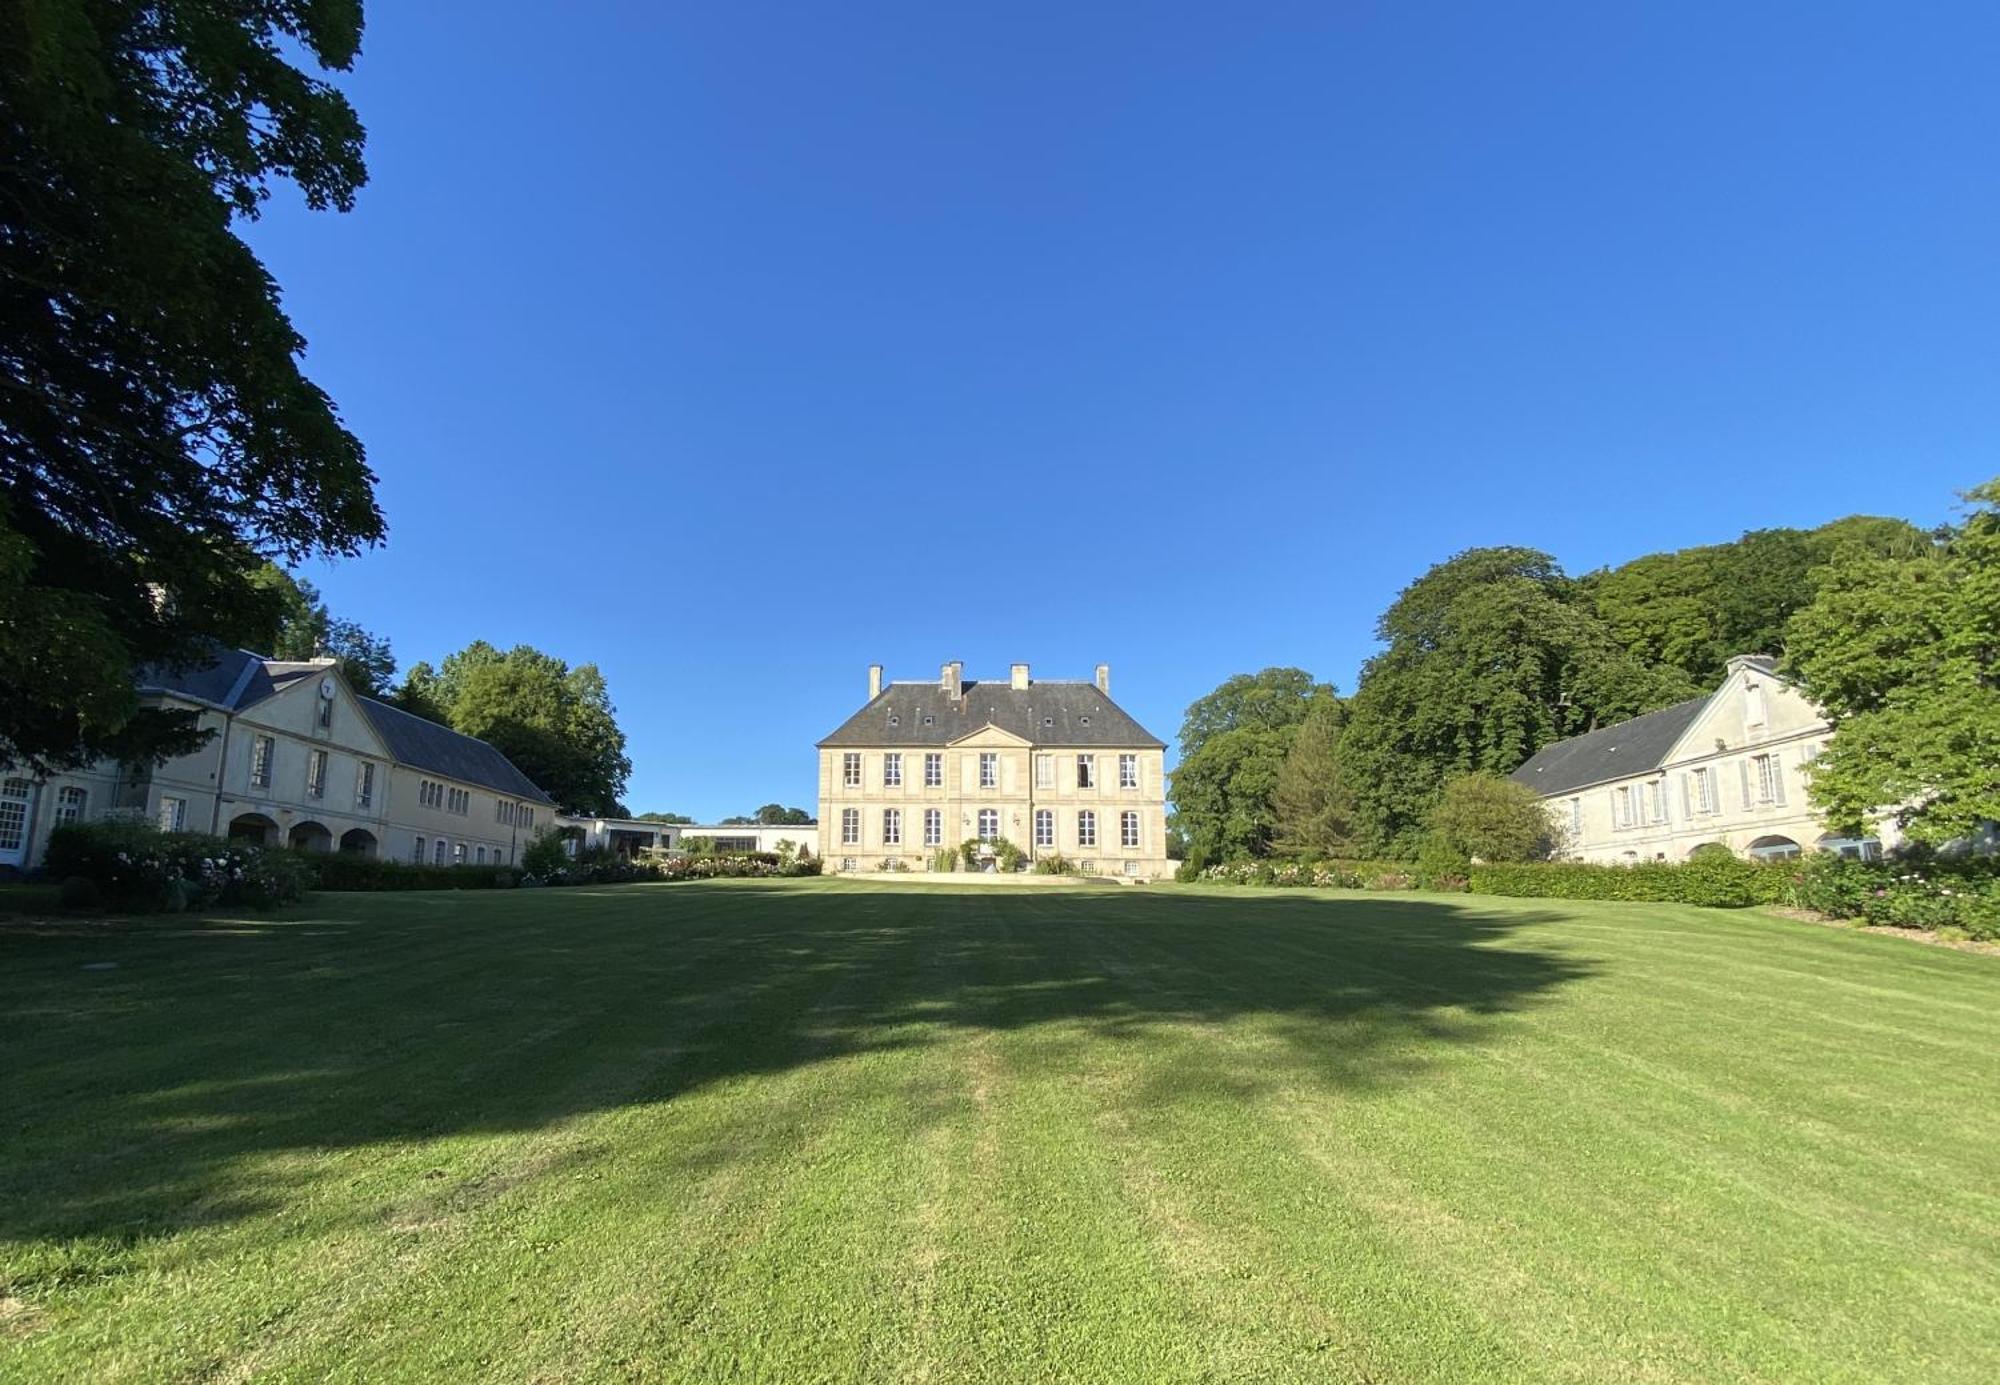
{"points": [[357, 841], [1709, 849], [1851, 848], [309, 836], [1773, 849], [254, 828]]}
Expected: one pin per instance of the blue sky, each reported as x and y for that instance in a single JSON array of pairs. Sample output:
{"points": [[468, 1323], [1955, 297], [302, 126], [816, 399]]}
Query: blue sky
{"points": [[736, 347]]}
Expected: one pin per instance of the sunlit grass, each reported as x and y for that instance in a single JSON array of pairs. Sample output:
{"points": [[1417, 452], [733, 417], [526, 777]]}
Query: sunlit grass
{"points": [[833, 1130]]}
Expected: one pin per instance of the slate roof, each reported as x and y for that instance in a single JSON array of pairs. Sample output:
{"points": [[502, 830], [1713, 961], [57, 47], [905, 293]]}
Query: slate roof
{"points": [[235, 679], [1611, 752], [1044, 713], [423, 744]]}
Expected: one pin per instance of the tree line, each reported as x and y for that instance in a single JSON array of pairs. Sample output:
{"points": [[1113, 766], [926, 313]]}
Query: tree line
{"points": [[1496, 652]]}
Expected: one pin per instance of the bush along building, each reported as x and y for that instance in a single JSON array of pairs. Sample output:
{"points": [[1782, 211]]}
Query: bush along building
{"points": [[1056, 770], [295, 758], [1728, 769]]}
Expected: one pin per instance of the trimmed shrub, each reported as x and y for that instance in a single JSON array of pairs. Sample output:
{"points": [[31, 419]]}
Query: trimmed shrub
{"points": [[80, 894], [1722, 882], [346, 873], [1917, 892], [135, 866], [1057, 864]]}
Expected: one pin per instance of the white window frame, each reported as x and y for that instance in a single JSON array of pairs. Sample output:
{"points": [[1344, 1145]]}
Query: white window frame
{"points": [[263, 754], [1045, 771], [850, 827], [1086, 828], [1086, 771], [316, 763], [1045, 827], [1128, 771], [892, 827], [892, 770], [933, 827], [364, 784], [72, 803], [438, 850], [989, 769], [989, 824], [850, 769], [173, 813], [1129, 830], [934, 769], [458, 857], [417, 858]]}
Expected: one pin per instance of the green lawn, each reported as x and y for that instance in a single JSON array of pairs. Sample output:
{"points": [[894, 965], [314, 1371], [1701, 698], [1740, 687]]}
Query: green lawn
{"points": [[829, 1130]]}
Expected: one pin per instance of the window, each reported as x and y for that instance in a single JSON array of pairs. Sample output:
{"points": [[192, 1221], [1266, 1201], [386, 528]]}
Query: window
{"points": [[1086, 771], [1575, 820], [933, 827], [989, 824], [430, 793], [437, 855], [934, 771], [418, 855], [1621, 806], [325, 712], [503, 810], [1128, 829], [1086, 828], [262, 751], [527, 816], [316, 774], [1128, 771], [1045, 771], [850, 827], [14, 814], [70, 803], [989, 769], [1045, 827], [1763, 782], [479, 855], [850, 769], [173, 813], [458, 853], [892, 827], [1656, 801], [1701, 791], [892, 771], [364, 785]]}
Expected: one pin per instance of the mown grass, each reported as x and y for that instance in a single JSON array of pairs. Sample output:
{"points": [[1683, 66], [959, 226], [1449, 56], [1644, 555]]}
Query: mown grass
{"points": [[840, 1131]]}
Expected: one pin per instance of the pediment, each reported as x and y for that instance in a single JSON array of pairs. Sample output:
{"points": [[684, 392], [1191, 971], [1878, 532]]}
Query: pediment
{"points": [[988, 735]]}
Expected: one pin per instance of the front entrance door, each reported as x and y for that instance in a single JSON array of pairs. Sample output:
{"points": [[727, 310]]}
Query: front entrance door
{"points": [[15, 796]]}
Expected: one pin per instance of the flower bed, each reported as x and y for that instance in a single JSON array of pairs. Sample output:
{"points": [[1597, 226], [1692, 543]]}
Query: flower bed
{"points": [[135, 866]]}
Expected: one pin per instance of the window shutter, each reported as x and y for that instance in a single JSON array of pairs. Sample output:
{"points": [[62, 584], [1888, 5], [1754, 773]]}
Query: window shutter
{"points": [[1749, 791], [969, 773], [1777, 780], [1687, 798]]}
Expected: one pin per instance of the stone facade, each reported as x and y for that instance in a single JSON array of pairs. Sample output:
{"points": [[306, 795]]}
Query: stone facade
{"points": [[1053, 767], [1732, 768]]}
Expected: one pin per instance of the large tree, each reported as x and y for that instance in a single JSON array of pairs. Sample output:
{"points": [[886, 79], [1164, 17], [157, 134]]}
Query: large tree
{"points": [[1311, 805], [553, 721], [1904, 655], [1233, 745], [778, 815], [307, 629], [1488, 657], [157, 436]]}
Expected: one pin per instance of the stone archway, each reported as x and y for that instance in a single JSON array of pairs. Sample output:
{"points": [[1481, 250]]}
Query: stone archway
{"points": [[309, 836], [1773, 848], [253, 828], [358, 841]]}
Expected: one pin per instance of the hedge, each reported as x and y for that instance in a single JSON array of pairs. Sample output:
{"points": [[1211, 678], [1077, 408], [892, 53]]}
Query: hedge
{"points": [[1719, 882], [338, 871]]}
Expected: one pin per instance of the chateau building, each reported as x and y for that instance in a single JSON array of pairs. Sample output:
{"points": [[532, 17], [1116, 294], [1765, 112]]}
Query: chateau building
{"points": [[1729, 768], [1056, 768], [295, 758]]}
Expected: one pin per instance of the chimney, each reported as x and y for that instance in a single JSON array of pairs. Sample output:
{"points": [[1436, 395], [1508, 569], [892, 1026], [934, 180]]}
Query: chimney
{"points": [[952, 679], [1104, 679], [1017, 678], [874, 681]]}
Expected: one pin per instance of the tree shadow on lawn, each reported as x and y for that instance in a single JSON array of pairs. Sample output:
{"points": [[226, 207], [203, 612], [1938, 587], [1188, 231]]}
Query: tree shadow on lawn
{"points": [[140, 1100]]}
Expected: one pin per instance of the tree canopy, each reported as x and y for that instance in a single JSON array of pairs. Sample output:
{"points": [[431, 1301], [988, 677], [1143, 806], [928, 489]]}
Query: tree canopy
{"points": [[157, 436], [1311, 805], [306, 629], [1903, 652], [1233, 746], [777, 815], [1489, 656], [1483, 817], [556, 723]]}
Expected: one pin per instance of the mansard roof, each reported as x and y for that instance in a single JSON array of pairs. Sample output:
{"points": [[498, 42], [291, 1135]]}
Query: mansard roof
{"points": [[1043, 713]]}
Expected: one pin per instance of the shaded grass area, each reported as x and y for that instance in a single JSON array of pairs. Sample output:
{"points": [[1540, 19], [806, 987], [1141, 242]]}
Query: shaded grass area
{"points": [[832, 1130]]}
